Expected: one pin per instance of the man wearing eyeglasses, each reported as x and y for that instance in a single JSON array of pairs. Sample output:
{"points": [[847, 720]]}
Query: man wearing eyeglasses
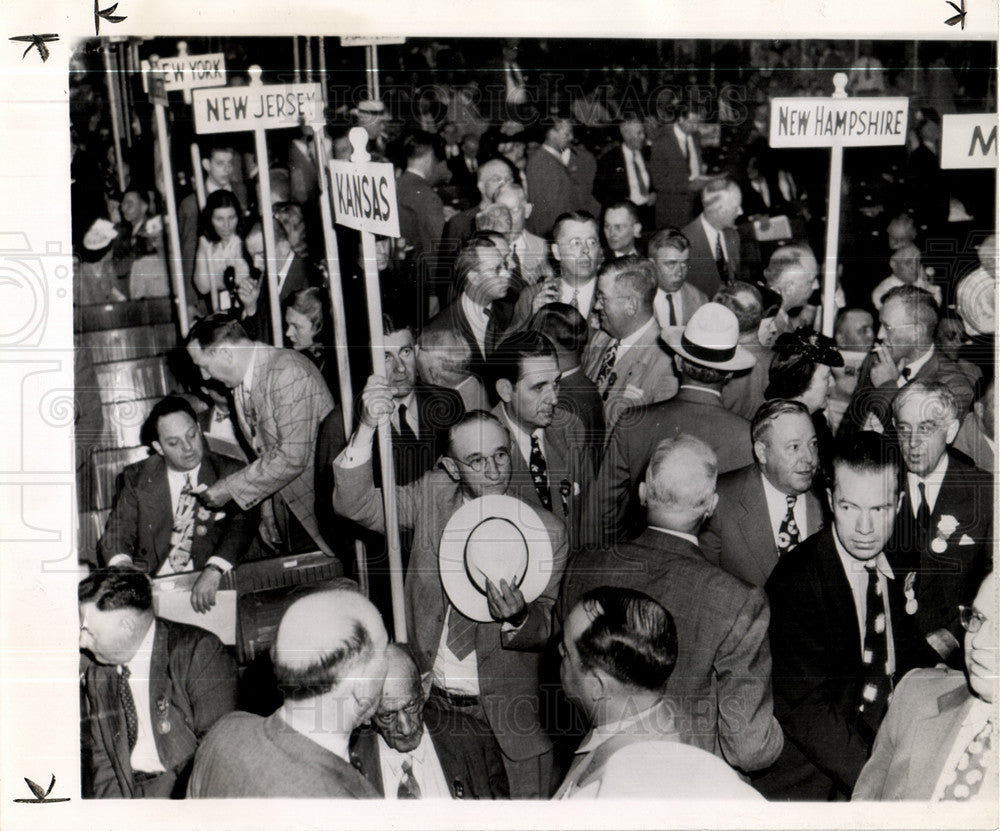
{"points": [[676, 299], [496, 683], [942, 539], [417, 750], [938, 741]]}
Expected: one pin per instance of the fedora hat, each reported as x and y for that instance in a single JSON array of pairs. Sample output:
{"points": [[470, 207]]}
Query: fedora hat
{"points": [[495, 537], [710, 338]]}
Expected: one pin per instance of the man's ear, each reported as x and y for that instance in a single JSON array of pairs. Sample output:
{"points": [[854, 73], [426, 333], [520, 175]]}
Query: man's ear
{"points": [[643, 494], [505, 389], [713, 506], [206, 164], [829, 499], [450, 467], [952, 430], [528, 208], [760, 451], [158, 447], [637, 228], [555, 252]]}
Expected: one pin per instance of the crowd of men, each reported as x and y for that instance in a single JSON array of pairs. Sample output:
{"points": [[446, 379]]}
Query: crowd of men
{"points": [[760, 557]]}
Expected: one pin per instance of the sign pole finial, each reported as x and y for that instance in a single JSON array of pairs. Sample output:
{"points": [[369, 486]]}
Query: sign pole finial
{"points": [[359, 142], [182, 48], [254, 71], [840, 85]]}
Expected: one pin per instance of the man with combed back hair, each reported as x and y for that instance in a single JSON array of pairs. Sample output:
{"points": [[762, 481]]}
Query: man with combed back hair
{"points": [[330, 661]]}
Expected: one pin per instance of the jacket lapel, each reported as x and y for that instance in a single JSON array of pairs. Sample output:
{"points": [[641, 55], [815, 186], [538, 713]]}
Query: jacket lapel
{"points": [[159, 685], [755, 524], [158, 506]]}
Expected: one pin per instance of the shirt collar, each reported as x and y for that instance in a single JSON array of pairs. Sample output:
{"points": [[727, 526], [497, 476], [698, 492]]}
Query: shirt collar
{"points": [[691, 538], [852, 564], [696, 388], [936, 476], [637, 335], [711, 232], [917, 365], [569, 373], [247, 381], [179, 476], [519, 434]]}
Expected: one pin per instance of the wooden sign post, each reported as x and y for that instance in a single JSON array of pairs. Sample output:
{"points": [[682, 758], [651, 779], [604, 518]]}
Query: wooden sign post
{"points": [[837, 122], [364, 198], [371, 44], [969, 141], [258, 108]]}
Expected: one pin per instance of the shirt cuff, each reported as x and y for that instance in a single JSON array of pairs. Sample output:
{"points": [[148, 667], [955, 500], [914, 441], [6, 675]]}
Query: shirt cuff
{"points": [[353, 456], [221, 564], [120, 560]]}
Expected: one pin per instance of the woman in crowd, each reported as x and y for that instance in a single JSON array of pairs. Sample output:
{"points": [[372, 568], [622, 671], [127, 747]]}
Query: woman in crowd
{"points": [[220, 247], [306, 330]]}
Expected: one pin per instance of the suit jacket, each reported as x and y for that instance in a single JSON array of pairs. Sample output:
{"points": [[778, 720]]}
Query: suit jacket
{"points": [[644, 373], [818, 673], [288, 400], [611, 182], [744, 392], [971, 441], [508, 661], [141, 521], [578, 395], [614, 508], [500, 318], [945, 580], [454, 234], [253, 757], [553, 191], [723, 652], [533, 254], [192, 684], [928, 708], [463, 178], [877, 400], [738, 537], [421, 217], [670, 173], [702, 271], [691, 299], [471, 762]]}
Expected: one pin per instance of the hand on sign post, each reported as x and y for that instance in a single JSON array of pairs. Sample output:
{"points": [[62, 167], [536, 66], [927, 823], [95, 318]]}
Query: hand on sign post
{"points": [[376, 401]]}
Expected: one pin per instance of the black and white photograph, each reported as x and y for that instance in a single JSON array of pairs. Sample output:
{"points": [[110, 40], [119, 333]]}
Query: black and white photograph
{"points": [[587, 412]]}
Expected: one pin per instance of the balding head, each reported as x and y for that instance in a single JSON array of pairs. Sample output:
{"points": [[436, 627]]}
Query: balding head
{"points": [[679, 491], [491, 176], [400, 715]]}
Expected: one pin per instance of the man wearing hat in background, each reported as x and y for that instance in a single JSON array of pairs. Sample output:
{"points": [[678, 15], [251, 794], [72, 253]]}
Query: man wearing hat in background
{"points": [[482, 640], [707, 353], [976, 304]]}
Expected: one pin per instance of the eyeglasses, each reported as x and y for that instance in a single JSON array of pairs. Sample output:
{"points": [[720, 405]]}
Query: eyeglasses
{"points": [[478, 463], [386, 719], [578, 244], [971, 618], [924, 430]]}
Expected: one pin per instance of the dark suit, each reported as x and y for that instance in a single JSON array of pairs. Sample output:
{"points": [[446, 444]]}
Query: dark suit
{"points": [[463, 179], [945, 580], [192, 684], [471, 762], [703, 273], [579, 395], [919, 731], [141, 520], [501, 312], [818, 673], [614, 505], [611, 182], [738, 536], [456, 232], [551, 190], [421, 218], [723, 656], [670, 173]]}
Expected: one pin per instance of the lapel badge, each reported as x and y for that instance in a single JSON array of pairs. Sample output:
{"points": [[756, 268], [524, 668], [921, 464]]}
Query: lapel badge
{"points": [[458, 788], [947, 525], [910, 592], [200, 530]]}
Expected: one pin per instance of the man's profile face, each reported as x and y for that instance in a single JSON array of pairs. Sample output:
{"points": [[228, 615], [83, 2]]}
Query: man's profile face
{"points": [[797, 282], [614, 306], [578, 250], [899, 330], [180, 441], [491, 279], [727, 210], [400, 362], [620, 229], [560, 135], [857, 332], [254, 244], [671, 268], [219, 167], [493, 175], [925, 428], [400, 715], [533, 398], [482, 444], [215, 363], [789, 454], [864, 509], [981, 646], [105, 635]]}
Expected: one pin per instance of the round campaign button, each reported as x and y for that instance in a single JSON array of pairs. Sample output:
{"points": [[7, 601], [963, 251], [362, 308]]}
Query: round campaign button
{"points": [[939, 546]]}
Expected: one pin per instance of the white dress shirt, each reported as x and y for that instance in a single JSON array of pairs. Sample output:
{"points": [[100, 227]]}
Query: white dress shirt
{"points": [[584, 296], [777, 507], [521, 437], [424, 764], [713, 234], [932, 485], [914, 367], [145, 756], [635, 169], [662, 309]]}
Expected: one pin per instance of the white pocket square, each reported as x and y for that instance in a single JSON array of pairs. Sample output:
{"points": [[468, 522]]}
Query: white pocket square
{"points": [[966, 540]]}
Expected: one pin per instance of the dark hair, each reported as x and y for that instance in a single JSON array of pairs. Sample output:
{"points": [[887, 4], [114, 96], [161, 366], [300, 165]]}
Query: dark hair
{"points": [[215, 329], [920, 304], [150, 430], [668, 238], [789, 375], [624, 204], [637, 273], [323, 674], [744, 301], [467, 260], [573, 216], [631, 637], [864, 452], [562, 324], [116, 588], [769, 411], [473, 417], [216, 200], [506, 362], [420, 143]]}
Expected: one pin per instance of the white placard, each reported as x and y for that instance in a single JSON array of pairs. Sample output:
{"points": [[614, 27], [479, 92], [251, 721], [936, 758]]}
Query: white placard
{"points": [[368, 40], [844, 122], [264, 107], [193, 71], [969, 140], [364, 196]]}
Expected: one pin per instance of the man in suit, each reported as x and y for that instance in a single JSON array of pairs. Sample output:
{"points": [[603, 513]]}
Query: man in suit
{"points": [[840, 637], [565, 327], [626, 359], [293, 271], [676, 299], [416, 750], [943, 537], [495, 679], [550, 184], [280, 399], [715, 244], [623, 171], [976, 437], [614, 512], [792, 280], [550, 446], [938, 740], [529, 254], [155, 523], [905, 354], [465, 166], [622, 229], [150, 690], [675, 169], [329, 661], [724, 654], [745, 391], [776, 488]]}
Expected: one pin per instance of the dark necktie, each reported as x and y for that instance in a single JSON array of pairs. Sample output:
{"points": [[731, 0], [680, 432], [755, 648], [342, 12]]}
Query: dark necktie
{"points": [[461, 634], [906, 372], [128, 706], [967, 777], [516, 272], [720, 259], [673, 314], [408, 787], [788, 531], [540, 473], [875, 693], [606, 377], [406, 434], [923, 519]]}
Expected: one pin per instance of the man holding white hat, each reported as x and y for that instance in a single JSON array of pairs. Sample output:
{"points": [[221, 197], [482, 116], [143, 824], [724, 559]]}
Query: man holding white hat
{"points": [[707, 352], [483, 576]]}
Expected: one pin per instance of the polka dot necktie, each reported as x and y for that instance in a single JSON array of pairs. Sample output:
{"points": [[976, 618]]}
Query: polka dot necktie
{"points": [[540, 473], [788, 531], [970, 770], [875, 693], [128, 706]]}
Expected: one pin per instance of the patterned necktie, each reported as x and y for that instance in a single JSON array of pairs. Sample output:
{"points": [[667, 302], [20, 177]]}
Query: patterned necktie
{"points": [[875, 693], [408, 787], [720, 259], [461, 634], [788, 531], [128, 706], [923, 518], [606, 377], [516, 271], [967, 777], [540, 473], [406, 434], [183, 530], [673, 314]]}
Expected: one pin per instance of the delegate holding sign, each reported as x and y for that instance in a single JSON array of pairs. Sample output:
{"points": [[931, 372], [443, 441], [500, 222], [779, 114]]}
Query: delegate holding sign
{"points": [[364, 196], [844, 122], [266, 107]]}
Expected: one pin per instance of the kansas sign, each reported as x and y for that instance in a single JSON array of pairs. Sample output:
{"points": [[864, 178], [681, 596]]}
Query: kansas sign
{"points": [[364, 196]]}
